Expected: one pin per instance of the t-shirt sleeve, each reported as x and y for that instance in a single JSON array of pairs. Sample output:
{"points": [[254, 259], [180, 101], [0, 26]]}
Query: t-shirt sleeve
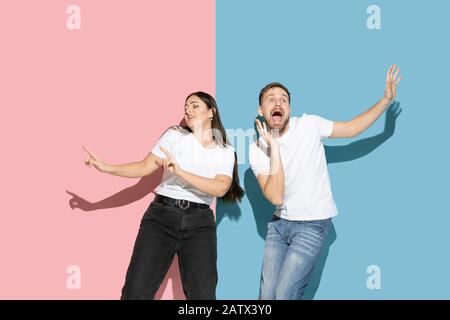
{"points": [[167, 141], [324, 126], [226, 166], [259, 161]]}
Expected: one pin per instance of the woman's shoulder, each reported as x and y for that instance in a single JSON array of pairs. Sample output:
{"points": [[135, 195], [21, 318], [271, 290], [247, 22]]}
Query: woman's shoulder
{"points": [[176, 131]]}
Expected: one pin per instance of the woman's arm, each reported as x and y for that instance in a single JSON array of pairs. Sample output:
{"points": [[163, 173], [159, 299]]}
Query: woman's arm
{"points": [[136, 169], [217, 186]]}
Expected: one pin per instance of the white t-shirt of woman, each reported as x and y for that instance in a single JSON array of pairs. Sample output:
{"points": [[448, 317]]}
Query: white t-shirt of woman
{"points": [[194, 158]]}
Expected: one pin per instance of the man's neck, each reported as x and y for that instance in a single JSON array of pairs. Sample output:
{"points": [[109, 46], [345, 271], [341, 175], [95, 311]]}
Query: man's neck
{"points": [[276, 133]]}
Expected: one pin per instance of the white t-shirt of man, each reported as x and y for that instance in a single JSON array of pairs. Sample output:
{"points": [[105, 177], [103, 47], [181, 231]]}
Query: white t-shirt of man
{"points": [[194, 158], [307, 184]]}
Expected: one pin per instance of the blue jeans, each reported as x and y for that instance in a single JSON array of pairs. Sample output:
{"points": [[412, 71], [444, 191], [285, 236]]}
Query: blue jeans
{"points": [[290, 253]]}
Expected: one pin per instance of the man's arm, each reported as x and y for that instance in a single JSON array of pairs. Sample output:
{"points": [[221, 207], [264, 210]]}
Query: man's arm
{"points": [[363, 121], [272, 180]]}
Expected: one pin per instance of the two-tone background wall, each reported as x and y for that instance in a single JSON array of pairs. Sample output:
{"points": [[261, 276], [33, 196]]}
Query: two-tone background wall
{"points": [[113, 75]]}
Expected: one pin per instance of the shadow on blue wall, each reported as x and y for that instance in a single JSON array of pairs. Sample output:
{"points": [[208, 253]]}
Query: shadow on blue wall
{"points": [[263, 209]]}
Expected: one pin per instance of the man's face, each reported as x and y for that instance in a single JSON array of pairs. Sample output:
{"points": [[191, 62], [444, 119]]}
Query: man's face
{"points": [[275, 108]]}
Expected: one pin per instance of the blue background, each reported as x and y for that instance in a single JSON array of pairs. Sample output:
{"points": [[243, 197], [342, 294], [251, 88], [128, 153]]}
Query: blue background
{"points": [[389, 183]]}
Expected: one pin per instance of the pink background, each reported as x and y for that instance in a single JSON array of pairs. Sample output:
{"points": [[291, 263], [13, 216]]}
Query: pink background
{"points": [[113, 86]]}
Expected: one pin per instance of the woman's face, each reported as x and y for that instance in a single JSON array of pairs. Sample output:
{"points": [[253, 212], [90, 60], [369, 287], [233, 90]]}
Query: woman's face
{"points": [[196, 113]]}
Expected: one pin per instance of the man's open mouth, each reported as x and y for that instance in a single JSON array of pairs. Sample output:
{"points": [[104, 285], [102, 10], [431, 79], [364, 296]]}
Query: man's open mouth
{"points": [[277, 116]]}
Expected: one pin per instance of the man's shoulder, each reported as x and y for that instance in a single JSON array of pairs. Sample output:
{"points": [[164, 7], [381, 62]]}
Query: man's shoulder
{"points": [[304, 120]]}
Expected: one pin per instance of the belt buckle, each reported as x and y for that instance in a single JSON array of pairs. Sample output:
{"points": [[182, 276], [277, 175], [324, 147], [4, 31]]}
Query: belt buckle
{"points": [[179, 202]]}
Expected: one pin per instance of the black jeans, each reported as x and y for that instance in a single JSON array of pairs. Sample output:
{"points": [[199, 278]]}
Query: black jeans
{"points": [[164, 231]]}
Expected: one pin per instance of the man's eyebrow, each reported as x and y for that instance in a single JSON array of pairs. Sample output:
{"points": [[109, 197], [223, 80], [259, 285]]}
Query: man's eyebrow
{"points": [[272, 94]]}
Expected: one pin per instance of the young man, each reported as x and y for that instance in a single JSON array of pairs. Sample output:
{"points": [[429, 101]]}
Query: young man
{"points": [[290, 165]]}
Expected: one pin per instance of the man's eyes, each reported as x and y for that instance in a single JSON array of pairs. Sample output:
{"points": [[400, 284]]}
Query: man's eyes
{"points": [[272, 100]]}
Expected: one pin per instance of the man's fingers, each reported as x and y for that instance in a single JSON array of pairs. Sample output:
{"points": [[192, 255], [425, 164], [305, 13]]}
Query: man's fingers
{"points": [[388, 74], [259, 127], [258, 124], [393, 69], [398, 80], [396, 73]]}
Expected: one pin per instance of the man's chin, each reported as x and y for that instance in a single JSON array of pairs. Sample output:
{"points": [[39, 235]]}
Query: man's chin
{"points": [[276, 126], [280, 127]]}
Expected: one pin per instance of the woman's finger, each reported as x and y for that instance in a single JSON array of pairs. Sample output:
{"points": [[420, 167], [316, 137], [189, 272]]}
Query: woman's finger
{"points": [[91, 154], [93, 163], [85, 149]]}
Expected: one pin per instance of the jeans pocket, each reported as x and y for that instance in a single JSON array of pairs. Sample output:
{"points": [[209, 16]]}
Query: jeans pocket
{"points": [[273, 220], [153, 208], [208, 214], [322, 225], [156, 206]]}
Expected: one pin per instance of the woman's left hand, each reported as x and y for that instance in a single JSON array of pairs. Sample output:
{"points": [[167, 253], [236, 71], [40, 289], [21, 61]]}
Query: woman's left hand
{"points": [[169, 163]]}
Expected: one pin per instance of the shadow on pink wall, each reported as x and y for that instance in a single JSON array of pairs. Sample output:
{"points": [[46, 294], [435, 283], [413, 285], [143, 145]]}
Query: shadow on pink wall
{"points": [[129, 195]]}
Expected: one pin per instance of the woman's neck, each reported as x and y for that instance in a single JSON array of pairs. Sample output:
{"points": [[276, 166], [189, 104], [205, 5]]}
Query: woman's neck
{"points": [[204, 136]]}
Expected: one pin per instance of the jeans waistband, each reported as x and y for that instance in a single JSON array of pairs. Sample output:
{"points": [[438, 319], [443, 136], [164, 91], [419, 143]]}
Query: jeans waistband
{"points": [[179, 203]]}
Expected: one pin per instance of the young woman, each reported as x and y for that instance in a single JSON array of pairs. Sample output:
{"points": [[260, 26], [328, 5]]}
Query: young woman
{"points": [[199, 164]]}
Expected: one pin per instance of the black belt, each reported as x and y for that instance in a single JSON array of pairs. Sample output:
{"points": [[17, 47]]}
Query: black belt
{"points": [[179, 203]]}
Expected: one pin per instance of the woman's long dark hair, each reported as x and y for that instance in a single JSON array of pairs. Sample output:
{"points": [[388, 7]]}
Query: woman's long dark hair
{"points": [[235, 193]]}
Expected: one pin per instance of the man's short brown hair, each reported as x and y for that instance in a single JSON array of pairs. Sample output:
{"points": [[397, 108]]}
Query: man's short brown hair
{"points": [[273, 85]]}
